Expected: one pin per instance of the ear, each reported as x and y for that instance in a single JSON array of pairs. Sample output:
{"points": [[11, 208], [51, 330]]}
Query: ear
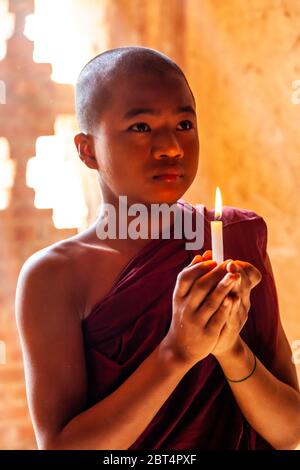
{"points": [[85, 147]]}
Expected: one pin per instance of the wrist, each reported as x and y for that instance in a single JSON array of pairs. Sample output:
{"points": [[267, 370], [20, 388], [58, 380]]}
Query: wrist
{"points": [[238, 363], [171, 359], [236, 351]]}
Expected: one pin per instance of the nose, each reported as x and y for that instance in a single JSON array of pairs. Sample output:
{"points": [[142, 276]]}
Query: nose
{"points": [[166, 145]]}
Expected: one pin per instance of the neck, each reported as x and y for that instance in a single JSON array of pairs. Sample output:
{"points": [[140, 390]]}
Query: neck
{"points": [[132, 224]]}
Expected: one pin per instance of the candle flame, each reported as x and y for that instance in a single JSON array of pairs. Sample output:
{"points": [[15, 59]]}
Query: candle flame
{"points": [[218, 204]]}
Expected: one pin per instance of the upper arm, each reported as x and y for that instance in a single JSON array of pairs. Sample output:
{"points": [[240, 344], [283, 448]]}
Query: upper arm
{"points": [[52, 345], [283, 367]]}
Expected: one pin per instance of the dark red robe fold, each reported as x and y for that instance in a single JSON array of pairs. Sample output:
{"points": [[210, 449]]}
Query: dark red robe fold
{"points": [[128, 324]]}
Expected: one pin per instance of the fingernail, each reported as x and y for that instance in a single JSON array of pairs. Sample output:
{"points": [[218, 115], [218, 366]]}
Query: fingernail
{"points": [[207, 253]]}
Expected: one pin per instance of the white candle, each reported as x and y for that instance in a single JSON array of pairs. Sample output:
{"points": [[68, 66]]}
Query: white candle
{"points": [[216, 227]]}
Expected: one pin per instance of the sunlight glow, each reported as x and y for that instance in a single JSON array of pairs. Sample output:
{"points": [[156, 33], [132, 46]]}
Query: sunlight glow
{"points": [[60, 180], [7, 25], [30, 27], [2, 352], [66, 35], [7, 173], [53, 174]]}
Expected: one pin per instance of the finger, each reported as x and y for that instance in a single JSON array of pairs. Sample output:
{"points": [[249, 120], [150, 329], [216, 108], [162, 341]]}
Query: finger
{"points": [[218, 321], [232, 267], [238, 285], [251, 271], [238, 316], [207, 302], [196, 259], [242, 288], [207, 255], [253, 274], [234, 318], [193, 273], [187, 276], [207, 281]]}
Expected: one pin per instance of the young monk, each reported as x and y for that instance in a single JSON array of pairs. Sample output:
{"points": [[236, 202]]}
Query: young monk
{"points": [[138, 343]]}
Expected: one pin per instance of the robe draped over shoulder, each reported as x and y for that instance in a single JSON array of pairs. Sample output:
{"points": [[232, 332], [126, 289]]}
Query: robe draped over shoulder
{"points": [[129, 323]]}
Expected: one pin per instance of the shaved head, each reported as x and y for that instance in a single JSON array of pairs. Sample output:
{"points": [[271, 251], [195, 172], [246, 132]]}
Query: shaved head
{"points": [[96, 81]]}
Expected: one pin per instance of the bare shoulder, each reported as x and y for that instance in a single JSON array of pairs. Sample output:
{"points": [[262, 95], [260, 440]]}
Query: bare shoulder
{"points": [[61, 254], [53, 270], [78, 272], [82, 269]]}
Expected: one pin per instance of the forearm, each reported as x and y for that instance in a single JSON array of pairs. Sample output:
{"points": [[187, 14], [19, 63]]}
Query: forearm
{"points": [[270, 406], [119, 419]]}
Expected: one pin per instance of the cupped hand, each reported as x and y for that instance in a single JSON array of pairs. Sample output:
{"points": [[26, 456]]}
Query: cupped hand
{"points": [[248, 276], [239, 298]]}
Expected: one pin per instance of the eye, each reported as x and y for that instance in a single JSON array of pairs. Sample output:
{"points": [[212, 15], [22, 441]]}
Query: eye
{"points": [[190, 125], [140, 125]]}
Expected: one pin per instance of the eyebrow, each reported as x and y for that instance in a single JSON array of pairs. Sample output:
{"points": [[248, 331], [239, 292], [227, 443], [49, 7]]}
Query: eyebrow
{"points": [[137, 111]]}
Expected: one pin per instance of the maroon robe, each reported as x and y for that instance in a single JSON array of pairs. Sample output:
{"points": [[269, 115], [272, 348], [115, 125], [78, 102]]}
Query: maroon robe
{"points": [[128, 324]]}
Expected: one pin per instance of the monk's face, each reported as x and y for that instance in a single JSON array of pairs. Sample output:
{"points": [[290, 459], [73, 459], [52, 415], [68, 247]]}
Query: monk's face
{"points": [[132, 151]]}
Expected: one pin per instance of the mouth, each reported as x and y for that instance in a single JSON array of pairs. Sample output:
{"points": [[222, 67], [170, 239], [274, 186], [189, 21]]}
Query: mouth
{"points": [[171, 174], [168, 177]]}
